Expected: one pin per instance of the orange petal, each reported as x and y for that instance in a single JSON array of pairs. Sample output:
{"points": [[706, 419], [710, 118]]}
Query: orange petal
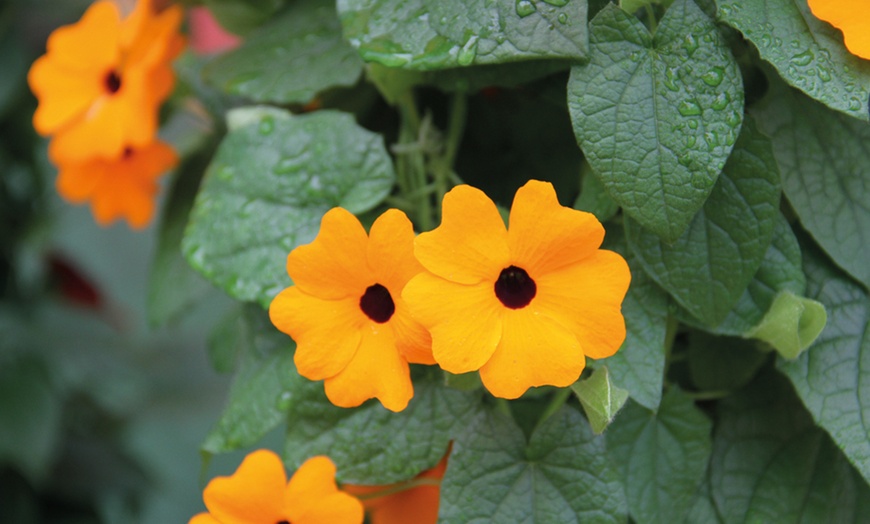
{"points": [[312, 496], [412, 339], [334, 265], [327, 332], [376, 371], [586, 298], [390, 251], [64, 94], [203, 518], [544, 235], [253, 494], [78, 182], [91, 43], [852, 17], [471, 244], [533, 351], [465, 321]]}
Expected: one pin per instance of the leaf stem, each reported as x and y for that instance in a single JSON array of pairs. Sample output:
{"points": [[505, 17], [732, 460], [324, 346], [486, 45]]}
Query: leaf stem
{"points": [[559, 398]]}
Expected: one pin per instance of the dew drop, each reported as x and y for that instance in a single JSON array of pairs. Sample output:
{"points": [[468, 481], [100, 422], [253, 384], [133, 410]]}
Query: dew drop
{"points": [[690, 44], [693, 124], [713, 77], [563, 18], [766, 40], [721, 101], [824, 74], [267, 125], [670, 80], [733, 119], [803, 59], [689, 108], [468, 52], [854, 104], [684, 159], [557, 3], [698, 180], [525, 8], [690, 141], [285, 401]]}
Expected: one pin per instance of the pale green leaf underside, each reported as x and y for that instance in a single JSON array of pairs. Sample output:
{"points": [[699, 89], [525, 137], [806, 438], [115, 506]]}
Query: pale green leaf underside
{"points": [[600, 397], [290, 59], [824, 158], [708, 268], [267, 189], [833, 376], [662, 456], [561, 476], [657, 116], [441, 34], [808, 53]]}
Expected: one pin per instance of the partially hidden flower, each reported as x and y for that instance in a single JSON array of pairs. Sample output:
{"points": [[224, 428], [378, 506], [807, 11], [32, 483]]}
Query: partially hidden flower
{"points": [[102, 80], [852, 17], [414, 501], [124, 187], [259, 493], [525, 305], [345, 312]]}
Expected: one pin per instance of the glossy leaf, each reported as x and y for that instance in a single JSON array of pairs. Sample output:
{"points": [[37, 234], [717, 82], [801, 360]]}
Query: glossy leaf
{"points": [[370, 444], [560, 476], [262, 388], [268, 187], [808, 53], [770, 463], [290, 59], [657, 115], [720, 364], [441, 34], [708, 268], [831, 376], [825, 164], [661, 455]]}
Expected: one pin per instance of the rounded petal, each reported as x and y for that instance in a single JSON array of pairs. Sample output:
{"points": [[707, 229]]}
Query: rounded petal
{"points": [[586, 298], [849, 16], [92, 42], [203, 518], [412, 339], [533, 351], [334, 265], [254, 493], [471, 244], [57, 107], [465, 321], [390, 253], [376, 371], [544, 235], [312, 496], [327, 332], [77, 183]]}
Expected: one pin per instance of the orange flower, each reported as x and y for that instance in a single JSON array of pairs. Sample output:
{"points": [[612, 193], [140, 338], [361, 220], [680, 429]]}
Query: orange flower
{"points": [[103, 79], [418, 504], [852, 17], [525, 306], [351, 327], [121, 188], [258, 493]]}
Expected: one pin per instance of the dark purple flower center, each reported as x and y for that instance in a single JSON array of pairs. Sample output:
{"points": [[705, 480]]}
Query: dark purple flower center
{"points": [[515, 288], [283, 522], [112, 82], [377, 303]]}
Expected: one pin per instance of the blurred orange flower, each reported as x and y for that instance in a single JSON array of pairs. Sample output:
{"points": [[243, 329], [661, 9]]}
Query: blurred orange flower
{"points": [[345, 311], [524, 305], [401, 505], [258, 493], [103, 79], [118, 188], [852, 17]]}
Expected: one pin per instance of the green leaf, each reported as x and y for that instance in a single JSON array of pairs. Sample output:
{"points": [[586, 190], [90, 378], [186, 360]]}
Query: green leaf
{"points": [[225, 342], [770, 463], [291, 59], [657, 115], [14, 64], [593, 197], [825, 164], [708, 268], [266, 190], [831, 377], [780, 271], [262, 389], [600, 398], [703, 509], [661, 455], [242, 16], [791, 324], [720, 364], [440, 34], [172, 285], [30, 415], [639, 365], [808, 53], [561, 475], [371, 445]]}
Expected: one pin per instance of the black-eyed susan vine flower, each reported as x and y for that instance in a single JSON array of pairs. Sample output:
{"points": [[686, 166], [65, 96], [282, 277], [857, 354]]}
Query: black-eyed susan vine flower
{"points": [[259, 493], [852, 17], [346, 313], [525, 305]]}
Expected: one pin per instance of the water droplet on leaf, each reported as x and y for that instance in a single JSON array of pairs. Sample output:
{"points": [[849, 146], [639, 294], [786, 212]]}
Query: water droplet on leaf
{"points": [[689, 108], [267, 125], [803, 59], [525, 8], [713, 77]]}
